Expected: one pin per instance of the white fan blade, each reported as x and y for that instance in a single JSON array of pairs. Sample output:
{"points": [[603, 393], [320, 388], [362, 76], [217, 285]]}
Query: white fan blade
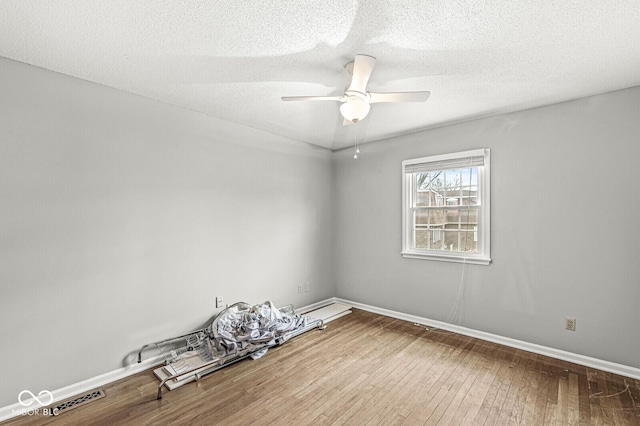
{"points": [[346, 122], [312, 98], [398, 97], [362, 68]]}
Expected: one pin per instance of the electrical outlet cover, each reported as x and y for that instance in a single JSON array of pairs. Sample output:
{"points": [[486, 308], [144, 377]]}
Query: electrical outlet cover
{"points": [[570, 324]]}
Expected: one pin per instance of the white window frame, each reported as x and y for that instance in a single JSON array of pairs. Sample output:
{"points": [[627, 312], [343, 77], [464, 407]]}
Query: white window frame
{"points": [[483, 255]]}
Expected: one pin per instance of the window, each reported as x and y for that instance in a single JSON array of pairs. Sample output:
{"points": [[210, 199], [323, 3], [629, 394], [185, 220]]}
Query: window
{"points": [[445, 207]]}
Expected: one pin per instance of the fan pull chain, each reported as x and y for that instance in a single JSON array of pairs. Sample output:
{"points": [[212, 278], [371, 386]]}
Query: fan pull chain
{"points": [[355, 156]]}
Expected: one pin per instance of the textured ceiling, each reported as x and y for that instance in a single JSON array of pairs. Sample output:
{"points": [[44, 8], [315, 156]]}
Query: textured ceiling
{"points": [[234, 60]]}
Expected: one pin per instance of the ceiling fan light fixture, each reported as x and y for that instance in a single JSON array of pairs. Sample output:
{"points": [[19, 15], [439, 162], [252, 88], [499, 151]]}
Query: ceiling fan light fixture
{"points": [[356, 99], [355, 108]]}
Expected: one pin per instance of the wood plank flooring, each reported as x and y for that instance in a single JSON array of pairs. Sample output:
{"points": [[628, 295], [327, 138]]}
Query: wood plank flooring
{"points": [[367, 369]]}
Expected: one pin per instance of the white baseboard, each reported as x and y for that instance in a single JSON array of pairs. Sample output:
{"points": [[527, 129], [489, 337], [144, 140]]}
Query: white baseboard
{"points": [[84, 386], [103, 379], [611, 367], [314, 306]]}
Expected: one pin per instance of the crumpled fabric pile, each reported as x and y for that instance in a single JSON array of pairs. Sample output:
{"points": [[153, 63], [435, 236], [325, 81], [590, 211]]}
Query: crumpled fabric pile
{"points": [[258, 326]]}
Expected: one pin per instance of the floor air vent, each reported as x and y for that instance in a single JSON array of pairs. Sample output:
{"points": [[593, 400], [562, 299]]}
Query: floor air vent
{"points": [[78, 401]]}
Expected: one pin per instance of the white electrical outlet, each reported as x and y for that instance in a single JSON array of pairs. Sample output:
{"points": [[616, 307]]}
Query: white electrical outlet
{"points": [[219, 302], [570, 324], [299, 288], [307, 287]]}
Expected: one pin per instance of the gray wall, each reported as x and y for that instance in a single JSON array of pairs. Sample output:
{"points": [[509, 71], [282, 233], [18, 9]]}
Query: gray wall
{"points": [[122, 218], [565, 234]]}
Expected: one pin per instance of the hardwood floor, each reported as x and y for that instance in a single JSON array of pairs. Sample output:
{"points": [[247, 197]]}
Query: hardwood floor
{"points": [[367, 369]]}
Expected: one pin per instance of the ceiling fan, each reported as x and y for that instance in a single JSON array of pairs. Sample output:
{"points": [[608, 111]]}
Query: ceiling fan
{"points": [[356, 100]]}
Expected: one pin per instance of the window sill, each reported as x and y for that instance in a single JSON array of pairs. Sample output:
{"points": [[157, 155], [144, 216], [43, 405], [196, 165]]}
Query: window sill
{"points": [[474, 260]]}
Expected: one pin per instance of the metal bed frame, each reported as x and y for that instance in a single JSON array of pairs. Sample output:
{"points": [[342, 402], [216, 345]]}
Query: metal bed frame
{"points": [[197, 341]]}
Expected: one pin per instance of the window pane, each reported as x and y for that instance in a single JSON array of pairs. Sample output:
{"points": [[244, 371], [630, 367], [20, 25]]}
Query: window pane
{"points": [[446, 229], [429, 238], [452, 217], [462, 241], [421, 238], [428, 180], [469, 216], [421, 217], [454, 200], [469, 176], [436, 238], [452, 178], [424, 199], [472, 196], [436, 218], [468, 241]]}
